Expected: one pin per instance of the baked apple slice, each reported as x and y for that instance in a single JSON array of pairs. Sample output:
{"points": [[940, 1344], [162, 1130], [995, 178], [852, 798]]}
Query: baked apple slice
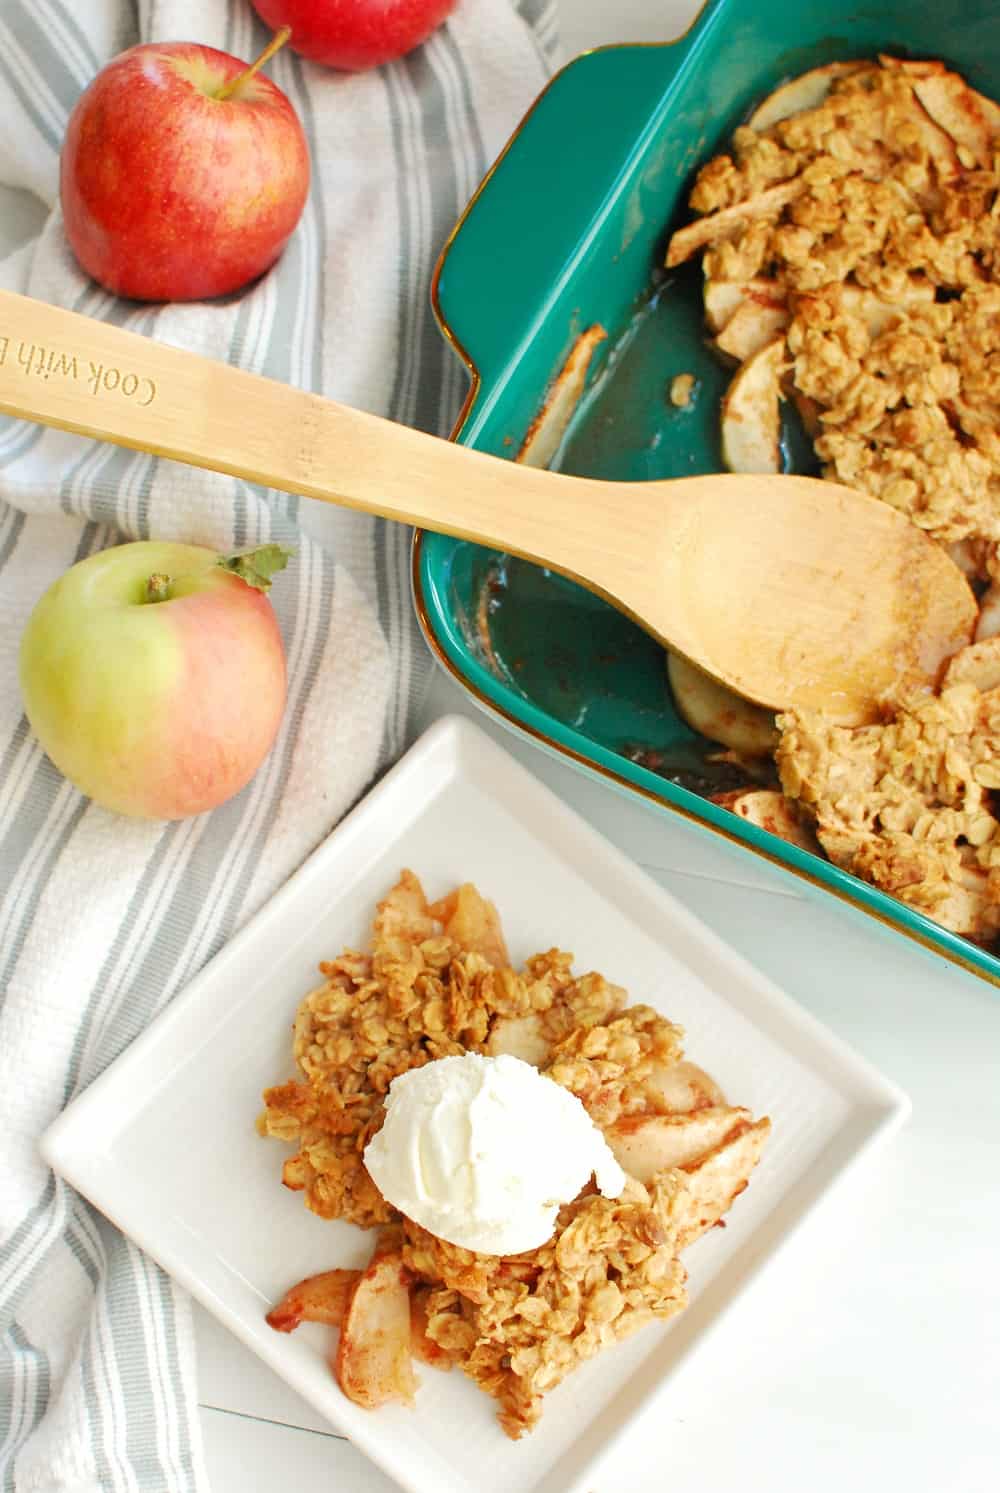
{"points": [[373, 1363], [751, 421], [319, 1298]]}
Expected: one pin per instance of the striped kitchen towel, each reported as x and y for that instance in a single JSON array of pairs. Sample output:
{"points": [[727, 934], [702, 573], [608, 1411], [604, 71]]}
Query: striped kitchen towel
{"points": [[103, 920]]}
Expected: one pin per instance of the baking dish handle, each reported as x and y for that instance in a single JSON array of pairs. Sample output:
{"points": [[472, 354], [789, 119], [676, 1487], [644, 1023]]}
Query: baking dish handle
{"points": [[516, 246]]}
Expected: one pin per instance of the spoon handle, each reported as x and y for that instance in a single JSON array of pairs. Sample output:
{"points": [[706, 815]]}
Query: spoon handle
{"points": [[59, 368]]}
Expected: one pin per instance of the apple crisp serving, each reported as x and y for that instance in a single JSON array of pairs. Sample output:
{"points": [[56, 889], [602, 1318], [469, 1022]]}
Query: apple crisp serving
{"points": [[437, 982], [851, 252]]}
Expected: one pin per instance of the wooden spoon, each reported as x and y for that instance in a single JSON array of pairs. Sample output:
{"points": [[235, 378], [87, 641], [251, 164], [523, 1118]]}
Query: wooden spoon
{"points": [[790, 590]]}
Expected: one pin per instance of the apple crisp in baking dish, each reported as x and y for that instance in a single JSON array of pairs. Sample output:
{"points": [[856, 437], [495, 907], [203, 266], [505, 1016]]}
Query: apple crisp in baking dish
{"points": [[850, 241]]}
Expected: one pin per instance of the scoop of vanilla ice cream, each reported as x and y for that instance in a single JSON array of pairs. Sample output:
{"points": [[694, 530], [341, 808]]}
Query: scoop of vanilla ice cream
{"points": [[484, 1151]]}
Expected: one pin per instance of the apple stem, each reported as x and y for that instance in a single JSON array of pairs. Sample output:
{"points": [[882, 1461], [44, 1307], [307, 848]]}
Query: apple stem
{"points": [[158, 587], [274, 45]]}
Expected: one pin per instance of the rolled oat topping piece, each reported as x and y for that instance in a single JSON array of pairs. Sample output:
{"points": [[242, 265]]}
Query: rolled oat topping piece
{"points": [[681, 390]]}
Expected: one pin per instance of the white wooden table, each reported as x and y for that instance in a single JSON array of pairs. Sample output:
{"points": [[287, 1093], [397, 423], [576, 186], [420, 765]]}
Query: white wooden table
{"points": [[870, 1359]]}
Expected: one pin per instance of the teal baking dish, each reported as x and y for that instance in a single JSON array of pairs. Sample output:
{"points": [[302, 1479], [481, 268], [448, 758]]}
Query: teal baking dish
{"points": [[568, 230]]}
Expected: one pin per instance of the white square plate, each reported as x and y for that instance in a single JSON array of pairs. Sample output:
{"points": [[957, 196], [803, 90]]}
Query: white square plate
{"points": [[164, 1142]]}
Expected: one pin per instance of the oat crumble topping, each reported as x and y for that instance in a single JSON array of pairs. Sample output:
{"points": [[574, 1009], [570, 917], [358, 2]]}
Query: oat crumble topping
{"points": [[438, 982]]}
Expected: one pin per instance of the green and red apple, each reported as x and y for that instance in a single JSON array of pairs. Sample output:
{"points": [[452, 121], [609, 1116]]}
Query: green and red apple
{"points": [[153, 675], [183, 173]]}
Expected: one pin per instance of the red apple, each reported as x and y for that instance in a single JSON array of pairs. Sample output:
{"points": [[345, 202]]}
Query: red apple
{"points": [[355, 34], [154, 676], [173, 187]]}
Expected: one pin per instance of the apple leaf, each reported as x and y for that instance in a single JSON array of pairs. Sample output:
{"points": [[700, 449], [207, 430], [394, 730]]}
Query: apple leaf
{"points": [[256, 566]]}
